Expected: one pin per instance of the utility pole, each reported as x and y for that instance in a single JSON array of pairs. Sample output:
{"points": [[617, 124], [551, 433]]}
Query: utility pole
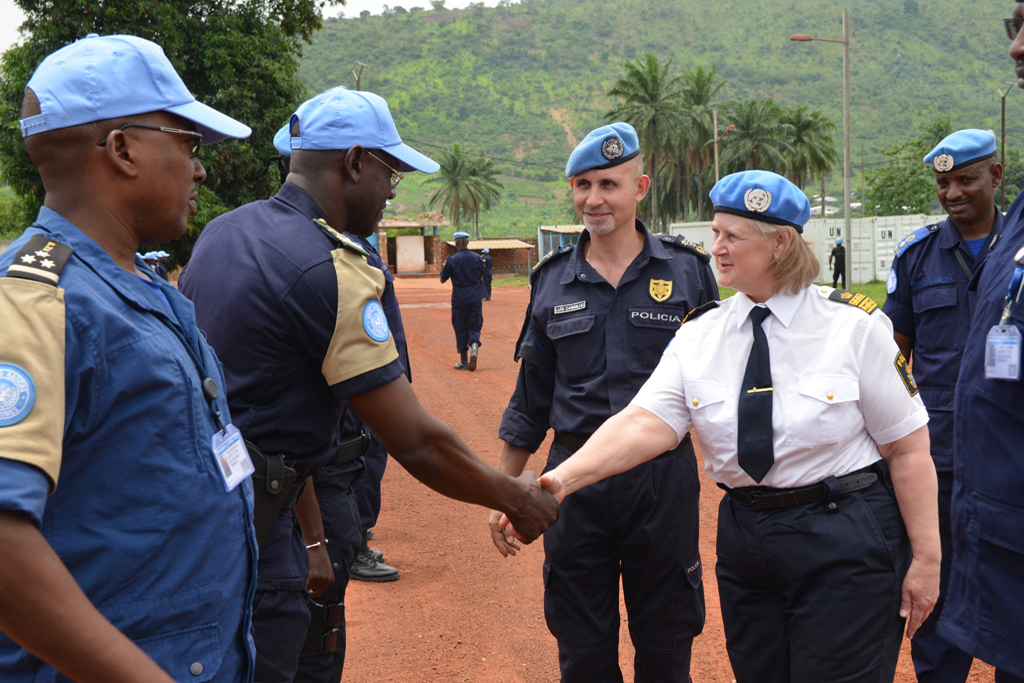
{"points": [[1002, 146], [358, 74]]}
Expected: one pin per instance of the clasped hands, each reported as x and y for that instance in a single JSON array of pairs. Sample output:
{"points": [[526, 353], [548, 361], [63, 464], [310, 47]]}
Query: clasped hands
{"points": [[507, 533]]}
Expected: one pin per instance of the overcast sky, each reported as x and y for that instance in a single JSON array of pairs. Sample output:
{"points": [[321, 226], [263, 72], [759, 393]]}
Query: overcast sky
{"points": [[11, 15]]}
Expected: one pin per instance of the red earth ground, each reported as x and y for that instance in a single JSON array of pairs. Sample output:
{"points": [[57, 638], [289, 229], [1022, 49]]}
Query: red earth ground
{"points": [[460, 612]]}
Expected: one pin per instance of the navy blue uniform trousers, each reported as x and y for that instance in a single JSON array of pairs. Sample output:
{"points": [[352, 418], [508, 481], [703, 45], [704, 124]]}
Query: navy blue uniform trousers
{"points": [[467, 322], [812, 594], [642, 524], [367, 487]]}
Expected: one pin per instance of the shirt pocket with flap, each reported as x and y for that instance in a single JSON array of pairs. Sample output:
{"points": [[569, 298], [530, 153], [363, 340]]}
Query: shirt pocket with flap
{"points": [[822, 409]]}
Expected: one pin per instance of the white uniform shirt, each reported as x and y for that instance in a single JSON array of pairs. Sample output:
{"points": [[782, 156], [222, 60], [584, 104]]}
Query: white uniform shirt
{"points": [[837, 390]]}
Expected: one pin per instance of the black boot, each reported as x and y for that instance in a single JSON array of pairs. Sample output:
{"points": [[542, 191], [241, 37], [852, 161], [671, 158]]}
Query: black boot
{"points": [[366, 567], [474, 348], [462, 364]]}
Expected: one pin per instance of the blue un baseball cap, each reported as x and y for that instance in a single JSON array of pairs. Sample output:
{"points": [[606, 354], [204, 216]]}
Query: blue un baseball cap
{"points": [[107, 77], [603, 147], [281, 141], [962, 148], [762, 196], [461, 235], [340, 119]]}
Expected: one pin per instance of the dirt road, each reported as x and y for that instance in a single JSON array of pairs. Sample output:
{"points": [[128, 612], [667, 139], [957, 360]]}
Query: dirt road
{"points": [[460, 612]]}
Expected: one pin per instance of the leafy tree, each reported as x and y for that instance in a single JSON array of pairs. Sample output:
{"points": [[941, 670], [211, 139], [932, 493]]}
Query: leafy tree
{"points": [[469, 185], [240, 57], [904, 185], [651, 102], [698, 90], [760, 139], [814, 151]]}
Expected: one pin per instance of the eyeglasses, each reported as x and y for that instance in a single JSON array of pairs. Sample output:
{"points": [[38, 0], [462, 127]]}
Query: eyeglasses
{"points": [[196, 136], [396, 176], [1013, 26]]}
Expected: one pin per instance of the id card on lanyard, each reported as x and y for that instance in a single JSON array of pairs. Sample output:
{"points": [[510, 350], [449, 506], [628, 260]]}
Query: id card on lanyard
{"points": [[1003, 343]]}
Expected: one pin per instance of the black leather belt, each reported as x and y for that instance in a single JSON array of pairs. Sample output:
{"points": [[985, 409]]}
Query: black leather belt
{"points": [[351, 448], [765, 498], [570, 442]]}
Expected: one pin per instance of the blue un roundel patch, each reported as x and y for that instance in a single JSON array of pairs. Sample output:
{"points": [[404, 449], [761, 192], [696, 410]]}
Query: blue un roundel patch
{"points": [[890, 284], [375, 322], [17, 394]]}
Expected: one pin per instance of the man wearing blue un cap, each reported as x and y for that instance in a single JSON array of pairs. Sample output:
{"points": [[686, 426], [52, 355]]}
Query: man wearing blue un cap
{"points": [[294, 307], [125, 510], [931, 310], [601, 313]]}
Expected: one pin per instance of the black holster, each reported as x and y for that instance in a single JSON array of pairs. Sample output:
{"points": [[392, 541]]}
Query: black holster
{"points": [[325, 624], [273, 483]]}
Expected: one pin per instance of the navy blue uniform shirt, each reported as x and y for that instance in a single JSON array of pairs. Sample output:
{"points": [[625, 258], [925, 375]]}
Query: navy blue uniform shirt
{"points": [[265, 280], [928, 301], [466, 269], [588, 347]]}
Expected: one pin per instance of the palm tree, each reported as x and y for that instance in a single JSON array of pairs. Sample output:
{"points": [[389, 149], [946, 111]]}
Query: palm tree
{"points": [[814, 152], [651, 102], [698, 89], [468, 186], [760, 139]]}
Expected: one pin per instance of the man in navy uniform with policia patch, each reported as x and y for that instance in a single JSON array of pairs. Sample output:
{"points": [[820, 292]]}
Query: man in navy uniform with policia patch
{"points": [[294, 308], [125, 500], [930, 308], [601, 313]]}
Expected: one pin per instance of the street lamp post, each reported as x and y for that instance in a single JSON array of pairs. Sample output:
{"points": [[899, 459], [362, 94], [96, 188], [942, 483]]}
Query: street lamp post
{"points": [[717, 137], [846, 135]]}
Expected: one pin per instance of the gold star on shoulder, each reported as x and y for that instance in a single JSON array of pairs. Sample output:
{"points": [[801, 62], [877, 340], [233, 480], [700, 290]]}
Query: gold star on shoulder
{"points": [[47, 263], [28, 258]]}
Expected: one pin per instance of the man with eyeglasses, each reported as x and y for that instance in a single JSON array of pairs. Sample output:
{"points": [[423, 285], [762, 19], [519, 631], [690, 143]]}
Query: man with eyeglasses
{"points": [[984, 606], [466, 270], [125, 507], [293, 307]]}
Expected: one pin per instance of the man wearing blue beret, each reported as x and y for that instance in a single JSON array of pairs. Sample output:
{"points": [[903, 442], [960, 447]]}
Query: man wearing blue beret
{"points": [[466, 270], [294, 307], [601, 312], [983, 613], [126, 521], [930, 308]]}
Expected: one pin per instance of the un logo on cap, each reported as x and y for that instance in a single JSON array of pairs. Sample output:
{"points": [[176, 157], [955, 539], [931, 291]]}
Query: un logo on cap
{"points": [[612, 148], [943, 163], [757, 200]]}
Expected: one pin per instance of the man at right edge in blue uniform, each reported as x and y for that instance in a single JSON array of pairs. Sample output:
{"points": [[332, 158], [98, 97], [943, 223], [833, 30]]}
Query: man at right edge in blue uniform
{"points": [[983, 612], [930, 308]]}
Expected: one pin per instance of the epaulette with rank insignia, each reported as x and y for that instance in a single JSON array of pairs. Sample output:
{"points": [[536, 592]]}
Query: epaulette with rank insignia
{"points": [[699, 311], [341, 239], [41, 259], [548, 258], [680, 241], [854, 299], [915, 237]]}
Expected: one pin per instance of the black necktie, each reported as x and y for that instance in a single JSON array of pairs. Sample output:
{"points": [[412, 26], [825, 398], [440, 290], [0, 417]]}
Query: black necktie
{"points": [[754, 439]]}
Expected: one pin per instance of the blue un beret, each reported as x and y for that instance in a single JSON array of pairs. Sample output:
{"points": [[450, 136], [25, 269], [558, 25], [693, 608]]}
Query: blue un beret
{"points": [[461, 235], [762, 196], [604, 147], [962, 148]]}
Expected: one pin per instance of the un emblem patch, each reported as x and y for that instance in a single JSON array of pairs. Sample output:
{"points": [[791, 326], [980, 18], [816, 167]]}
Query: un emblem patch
{"points": [[17, 394], [660, 289], [375, 322]]}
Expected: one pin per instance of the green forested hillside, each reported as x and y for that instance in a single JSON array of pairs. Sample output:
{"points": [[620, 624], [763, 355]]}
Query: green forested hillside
{"points": [[521, 82]]}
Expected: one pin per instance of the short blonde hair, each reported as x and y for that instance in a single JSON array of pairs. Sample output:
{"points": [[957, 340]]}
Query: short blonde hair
{"points": [[798, 266]]}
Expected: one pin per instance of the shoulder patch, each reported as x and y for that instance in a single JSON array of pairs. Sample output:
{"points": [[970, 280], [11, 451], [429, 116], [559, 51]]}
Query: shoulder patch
{"points": [[41, 259], [339, 238], [552, 254], [854, 299], [908, 379], [17, 394], [682, 242], [375, 323], [699, 311], [913, 238]]}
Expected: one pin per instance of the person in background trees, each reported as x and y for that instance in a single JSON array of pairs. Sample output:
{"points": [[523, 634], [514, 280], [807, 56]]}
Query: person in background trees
{"points": [[839, 255], [930, 308], [488, 272], [600, 315], [466, 270]]}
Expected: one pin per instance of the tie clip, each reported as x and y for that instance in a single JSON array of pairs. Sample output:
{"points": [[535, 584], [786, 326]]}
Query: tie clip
{"points": [[755, 390]]}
